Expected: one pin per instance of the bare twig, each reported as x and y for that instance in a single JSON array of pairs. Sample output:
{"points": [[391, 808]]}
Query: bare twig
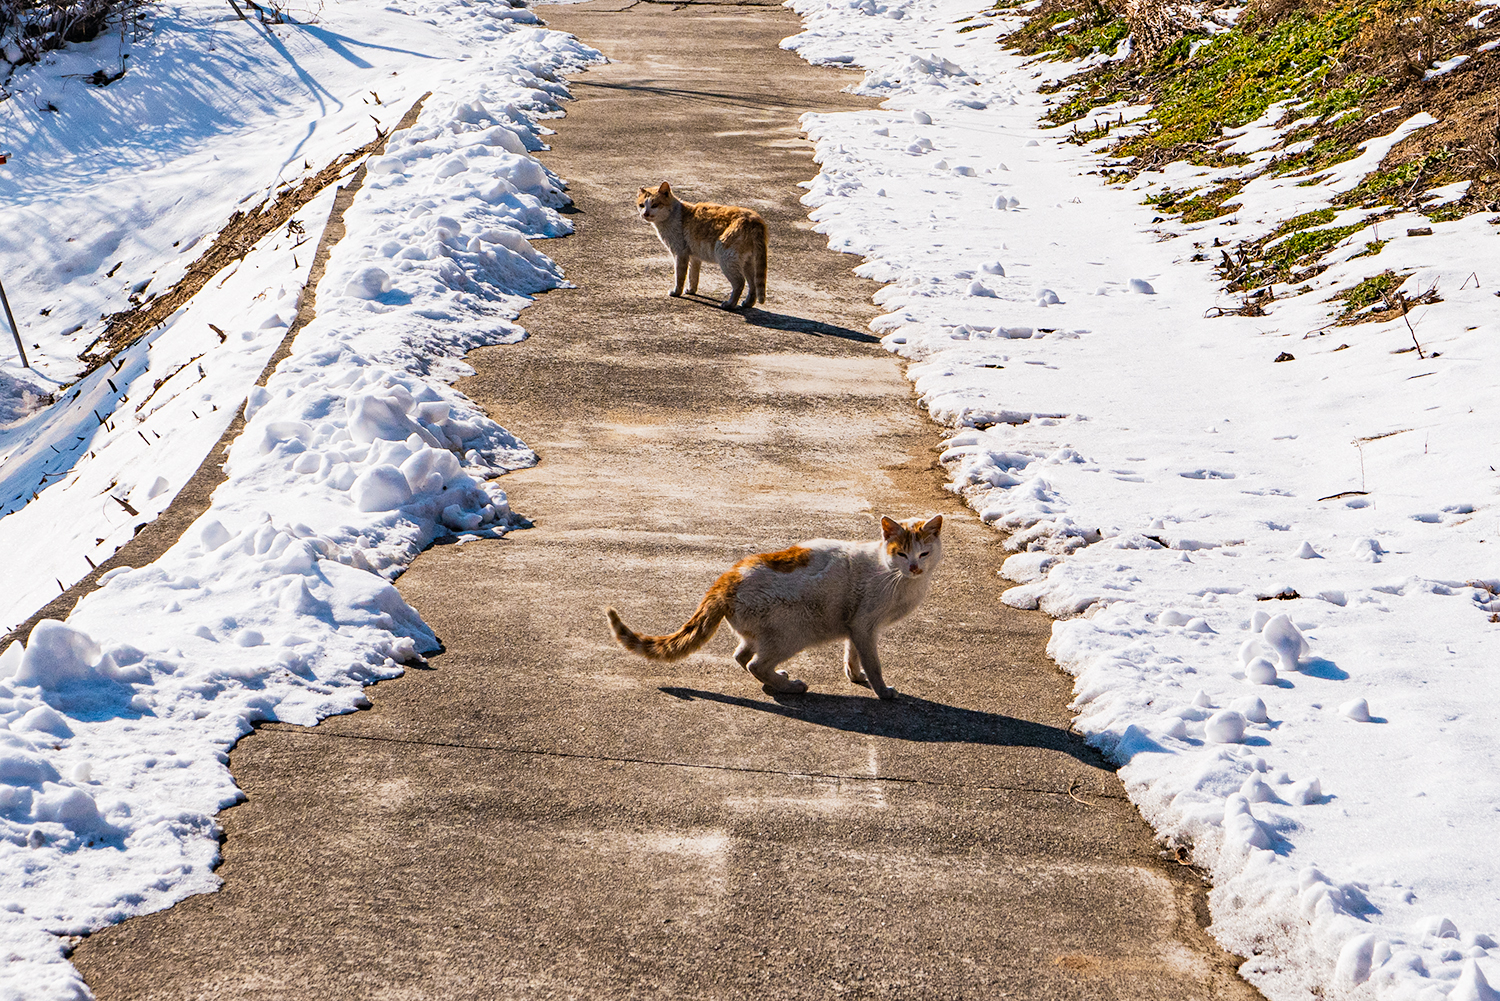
{"points": [[1076, 798], [14, 330], [1397, 300]]}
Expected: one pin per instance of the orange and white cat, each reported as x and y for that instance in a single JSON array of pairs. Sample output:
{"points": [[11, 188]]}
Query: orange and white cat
{"points": [[779, 604], [694, 232]]}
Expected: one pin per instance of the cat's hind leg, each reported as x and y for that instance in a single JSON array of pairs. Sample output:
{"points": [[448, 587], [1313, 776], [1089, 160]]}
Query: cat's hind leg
{"points": [[763, 666], [773, 678], [692, 275], [730, 265], [853, 669], [743, 653]]}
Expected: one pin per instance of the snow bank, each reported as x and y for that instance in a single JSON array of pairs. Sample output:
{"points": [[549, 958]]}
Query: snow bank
{"points": [[110, 198], [277, 604], [77, 478], [1274, 581]]}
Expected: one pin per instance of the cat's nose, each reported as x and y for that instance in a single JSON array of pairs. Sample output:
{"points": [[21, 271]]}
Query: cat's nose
{"points": [[916, 571]]}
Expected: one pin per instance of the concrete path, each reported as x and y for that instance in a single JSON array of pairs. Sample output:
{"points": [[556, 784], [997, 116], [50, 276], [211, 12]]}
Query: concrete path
{"points": [[541, 815]]}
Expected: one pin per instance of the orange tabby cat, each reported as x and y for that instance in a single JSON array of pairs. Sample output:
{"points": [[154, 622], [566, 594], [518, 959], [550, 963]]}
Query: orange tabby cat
{"points": [[732, 237], [781, 603]]}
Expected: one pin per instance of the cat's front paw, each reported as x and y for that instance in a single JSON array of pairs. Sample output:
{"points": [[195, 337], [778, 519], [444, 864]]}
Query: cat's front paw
{"points": [[676, 294], [886, 694]]}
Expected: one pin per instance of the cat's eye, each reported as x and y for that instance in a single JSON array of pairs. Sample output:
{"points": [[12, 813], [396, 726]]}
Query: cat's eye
{"points": [[900, 556], [923, 556]]}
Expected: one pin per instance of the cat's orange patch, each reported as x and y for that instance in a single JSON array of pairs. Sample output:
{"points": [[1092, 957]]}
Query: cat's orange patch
{"points": [[721, 594], [785, 561], [740, 230]]}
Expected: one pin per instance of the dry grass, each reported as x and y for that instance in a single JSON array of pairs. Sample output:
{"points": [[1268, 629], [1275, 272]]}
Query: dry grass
{"points": [[1155, 25], [38, 26], [234, 241]]}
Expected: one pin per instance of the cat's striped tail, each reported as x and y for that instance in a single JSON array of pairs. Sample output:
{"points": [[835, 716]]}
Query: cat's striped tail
{"points": [[698, 630]]}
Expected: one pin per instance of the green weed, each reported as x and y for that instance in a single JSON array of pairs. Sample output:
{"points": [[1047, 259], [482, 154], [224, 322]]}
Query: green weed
{"points": [[1232, 79], [1089, 27], [1293, 254], [1398, 185], [1195, 206], [1370, 291], [1306, 220]]}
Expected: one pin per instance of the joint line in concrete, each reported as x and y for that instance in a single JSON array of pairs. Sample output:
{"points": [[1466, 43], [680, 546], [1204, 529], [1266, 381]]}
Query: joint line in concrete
{"points": [[663, 763]]}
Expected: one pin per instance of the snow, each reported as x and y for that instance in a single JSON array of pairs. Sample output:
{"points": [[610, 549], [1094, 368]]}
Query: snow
{"points": [[1445, 66], [356, 452], [1274, 583], [165, 401], [114, 196]]}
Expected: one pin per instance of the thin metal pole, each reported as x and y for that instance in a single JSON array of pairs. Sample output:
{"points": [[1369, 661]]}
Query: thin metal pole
{"points": [[14, 330]]}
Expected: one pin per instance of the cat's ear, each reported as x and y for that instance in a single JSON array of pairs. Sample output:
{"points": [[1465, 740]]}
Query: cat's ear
{"points": [[933, 526], [890, 529], [665, 189]]}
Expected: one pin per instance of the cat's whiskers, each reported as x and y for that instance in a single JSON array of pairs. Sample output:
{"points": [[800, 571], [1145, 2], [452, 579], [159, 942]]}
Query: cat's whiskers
{"points": [[889, 582]]}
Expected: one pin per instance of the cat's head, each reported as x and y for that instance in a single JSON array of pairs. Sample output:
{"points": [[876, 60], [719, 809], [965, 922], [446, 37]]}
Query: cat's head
{"points": [[913, 547], [654, 203]]}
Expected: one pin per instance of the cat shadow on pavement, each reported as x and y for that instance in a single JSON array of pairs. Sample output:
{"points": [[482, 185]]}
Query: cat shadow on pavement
{"points": [[758, 316], [910, 717]]}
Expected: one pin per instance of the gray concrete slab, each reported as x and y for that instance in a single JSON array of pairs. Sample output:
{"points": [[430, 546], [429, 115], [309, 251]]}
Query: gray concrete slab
{"points": [[538, 814]]}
